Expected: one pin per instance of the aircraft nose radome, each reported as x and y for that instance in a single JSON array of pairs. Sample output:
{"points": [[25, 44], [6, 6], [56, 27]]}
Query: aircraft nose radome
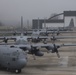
{"points": [[22, 62]]}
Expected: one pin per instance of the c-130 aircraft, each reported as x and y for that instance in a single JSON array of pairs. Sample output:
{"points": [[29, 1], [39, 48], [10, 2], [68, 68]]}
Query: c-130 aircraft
{"points": [[13, 56]]}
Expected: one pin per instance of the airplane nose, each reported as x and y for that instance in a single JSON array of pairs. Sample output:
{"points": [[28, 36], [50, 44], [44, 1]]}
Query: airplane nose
{"points": [[22, 63]]}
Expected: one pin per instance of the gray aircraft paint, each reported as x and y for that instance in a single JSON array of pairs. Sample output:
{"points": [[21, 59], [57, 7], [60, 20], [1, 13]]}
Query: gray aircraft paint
{"points": [[12, 58]]}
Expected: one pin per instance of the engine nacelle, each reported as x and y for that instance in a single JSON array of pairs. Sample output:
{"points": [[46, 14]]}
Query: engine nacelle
{"points": [[35, 40], [53, 49], [5, 40], [36, 51], [39, 53], [49, 48], [53, 38]]}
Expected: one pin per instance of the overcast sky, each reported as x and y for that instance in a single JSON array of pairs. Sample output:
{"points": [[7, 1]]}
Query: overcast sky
{"points": [[12, 10]]}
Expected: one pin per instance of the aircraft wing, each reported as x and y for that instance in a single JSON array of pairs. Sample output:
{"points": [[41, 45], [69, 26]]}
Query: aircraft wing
{"points": [[40, 37], [14, 32], [30, 32], [46, 37], [35, 48], [51, 37], [69, 44], [62, 31], [64, 37], [40, 45], [8, 37]]}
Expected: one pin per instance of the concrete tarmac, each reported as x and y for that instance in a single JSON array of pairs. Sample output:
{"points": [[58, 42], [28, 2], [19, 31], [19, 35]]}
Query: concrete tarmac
{"points": [[50, 64]]}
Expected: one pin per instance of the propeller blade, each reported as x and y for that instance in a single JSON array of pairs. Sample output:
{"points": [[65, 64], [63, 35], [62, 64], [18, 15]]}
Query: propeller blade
{"points": [[5, 40], [34, 57], [56, 50], [58, 55]]}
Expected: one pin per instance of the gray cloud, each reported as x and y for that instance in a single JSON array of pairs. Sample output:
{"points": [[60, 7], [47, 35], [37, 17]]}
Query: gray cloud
{"points": [[12, 10]]}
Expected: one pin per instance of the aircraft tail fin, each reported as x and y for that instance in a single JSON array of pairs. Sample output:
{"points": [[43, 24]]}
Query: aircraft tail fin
{"points": [[71, 24]]}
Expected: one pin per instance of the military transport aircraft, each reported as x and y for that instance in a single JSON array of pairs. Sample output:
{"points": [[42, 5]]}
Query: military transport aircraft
{"points": [[12, 55], [21, 44], [36, 37], [11, 58], [39, 31]]}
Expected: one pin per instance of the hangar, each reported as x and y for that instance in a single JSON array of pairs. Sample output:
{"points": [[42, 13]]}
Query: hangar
{"points": [[69, 18]]}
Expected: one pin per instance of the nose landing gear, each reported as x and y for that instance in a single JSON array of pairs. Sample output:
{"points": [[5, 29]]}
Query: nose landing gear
{"points": [[18, 71]]}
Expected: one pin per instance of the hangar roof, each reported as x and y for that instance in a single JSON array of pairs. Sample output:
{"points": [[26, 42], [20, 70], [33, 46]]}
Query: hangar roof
{"points": [[69, 13]]}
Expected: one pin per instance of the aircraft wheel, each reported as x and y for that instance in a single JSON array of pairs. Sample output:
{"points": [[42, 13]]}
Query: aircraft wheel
{"points": [[18, 71]]}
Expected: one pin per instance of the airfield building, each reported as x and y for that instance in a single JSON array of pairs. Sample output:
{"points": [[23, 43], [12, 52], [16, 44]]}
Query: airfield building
{"points": [[69, 19]]}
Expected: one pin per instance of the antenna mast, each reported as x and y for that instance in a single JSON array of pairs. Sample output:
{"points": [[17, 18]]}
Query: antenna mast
{"points": [[22, 25]]}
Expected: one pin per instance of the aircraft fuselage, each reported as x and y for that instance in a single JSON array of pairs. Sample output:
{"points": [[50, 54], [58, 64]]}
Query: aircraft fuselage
{"points": [[12, 58]]}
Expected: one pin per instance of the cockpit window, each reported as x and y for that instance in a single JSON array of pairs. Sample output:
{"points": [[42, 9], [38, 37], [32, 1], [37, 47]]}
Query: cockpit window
{"points": [[16, 53]]}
